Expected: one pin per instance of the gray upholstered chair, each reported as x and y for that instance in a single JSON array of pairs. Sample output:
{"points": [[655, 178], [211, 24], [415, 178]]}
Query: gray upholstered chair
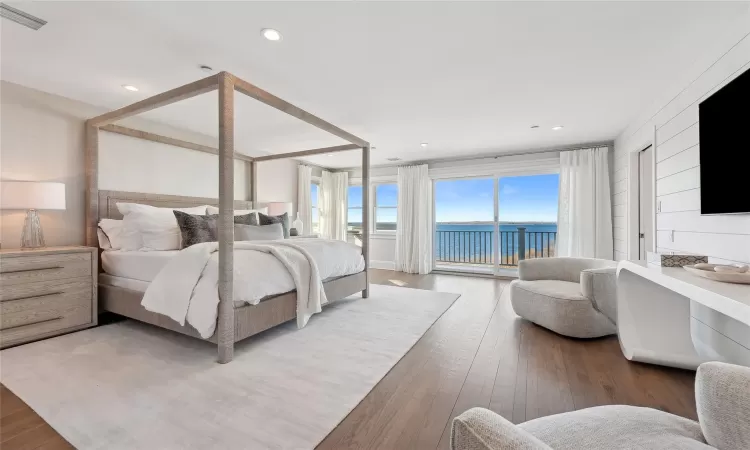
{"points": [[722, 394], [575, 297]]}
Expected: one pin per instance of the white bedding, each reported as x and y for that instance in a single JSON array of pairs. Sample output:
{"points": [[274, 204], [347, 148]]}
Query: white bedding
{"points": [[187, 288], [142, 266]]}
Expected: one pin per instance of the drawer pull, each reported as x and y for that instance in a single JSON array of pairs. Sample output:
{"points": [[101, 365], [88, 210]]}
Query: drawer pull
{"points": [[30, 297], [34, 270], [33, 323]]}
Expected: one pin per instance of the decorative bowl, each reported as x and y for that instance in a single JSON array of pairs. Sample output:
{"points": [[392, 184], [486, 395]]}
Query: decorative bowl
{"points": [[725, 277]]}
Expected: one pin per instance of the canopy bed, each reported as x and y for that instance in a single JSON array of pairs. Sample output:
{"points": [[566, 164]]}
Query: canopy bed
{"points": [[235, 321]]}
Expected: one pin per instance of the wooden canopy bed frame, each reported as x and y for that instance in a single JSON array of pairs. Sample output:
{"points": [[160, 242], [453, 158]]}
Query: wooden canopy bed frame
{"points": [[234, 322]]}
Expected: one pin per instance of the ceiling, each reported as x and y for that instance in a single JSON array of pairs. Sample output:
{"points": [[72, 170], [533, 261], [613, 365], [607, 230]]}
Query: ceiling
{"points": [[468, 78]]}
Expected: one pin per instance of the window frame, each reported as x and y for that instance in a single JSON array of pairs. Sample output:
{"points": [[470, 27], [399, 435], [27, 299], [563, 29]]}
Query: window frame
{"points": [[352, 183], [374, 204], [314, 229]]}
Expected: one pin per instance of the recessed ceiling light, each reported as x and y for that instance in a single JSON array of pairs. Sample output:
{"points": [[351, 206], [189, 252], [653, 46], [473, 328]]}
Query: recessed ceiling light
{"points": [[270, 34], [557, 127], [373, 148], [394, 159], [130, 88], [535, 126], [423, 144], [206, 68]]}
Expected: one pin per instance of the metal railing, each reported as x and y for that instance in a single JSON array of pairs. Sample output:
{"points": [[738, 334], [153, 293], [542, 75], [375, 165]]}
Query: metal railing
{"points": [[477, 247]]}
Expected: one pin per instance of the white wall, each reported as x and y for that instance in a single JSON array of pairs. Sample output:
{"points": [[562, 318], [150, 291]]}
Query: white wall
{"points": [[722, 238], [42, 140], [277, 182]]}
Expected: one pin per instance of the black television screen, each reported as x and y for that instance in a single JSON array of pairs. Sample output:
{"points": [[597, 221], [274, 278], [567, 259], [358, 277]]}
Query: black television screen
{"points": [[725, 149]]}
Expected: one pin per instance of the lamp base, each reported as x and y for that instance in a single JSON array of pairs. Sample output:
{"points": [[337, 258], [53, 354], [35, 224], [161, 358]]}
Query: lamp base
{"points": [[32, 235]]}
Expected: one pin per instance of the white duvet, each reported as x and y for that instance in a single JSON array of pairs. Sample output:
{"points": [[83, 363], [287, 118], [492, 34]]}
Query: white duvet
{"points": [[186, 289]]}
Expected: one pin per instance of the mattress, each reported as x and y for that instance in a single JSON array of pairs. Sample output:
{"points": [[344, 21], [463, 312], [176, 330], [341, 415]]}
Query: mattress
{"points": [[141, 266], [126, 283]]}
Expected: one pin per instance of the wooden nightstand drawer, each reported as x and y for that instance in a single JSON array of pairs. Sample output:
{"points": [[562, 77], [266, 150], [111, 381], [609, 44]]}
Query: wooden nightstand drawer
{"points": [[33, 268], [49, 303], [45, 292]]}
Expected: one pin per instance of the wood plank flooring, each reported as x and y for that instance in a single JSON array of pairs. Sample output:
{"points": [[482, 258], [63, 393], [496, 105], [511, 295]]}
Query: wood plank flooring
{"points": [[479, 353]]}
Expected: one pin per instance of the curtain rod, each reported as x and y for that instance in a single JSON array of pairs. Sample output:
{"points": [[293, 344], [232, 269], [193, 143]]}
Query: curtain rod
{"points": [[584, 146]]}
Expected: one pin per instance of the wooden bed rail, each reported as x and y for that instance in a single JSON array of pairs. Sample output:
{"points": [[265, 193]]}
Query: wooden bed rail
{"points": [[226, 84]]}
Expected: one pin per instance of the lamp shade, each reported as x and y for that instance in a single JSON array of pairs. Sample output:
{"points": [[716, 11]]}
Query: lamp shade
{"points": [[31, 195], [279, 208]]}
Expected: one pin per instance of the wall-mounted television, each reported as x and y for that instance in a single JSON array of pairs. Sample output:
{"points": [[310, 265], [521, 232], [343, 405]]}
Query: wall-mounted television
{"points": [[725, 149]]}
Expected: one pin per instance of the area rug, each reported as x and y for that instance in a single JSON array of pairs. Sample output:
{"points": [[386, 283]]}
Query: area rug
{"points": [[134, 386]]}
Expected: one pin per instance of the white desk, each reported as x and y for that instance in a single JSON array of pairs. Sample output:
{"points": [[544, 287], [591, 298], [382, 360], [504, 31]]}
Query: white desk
{"points": [[667, 316]]}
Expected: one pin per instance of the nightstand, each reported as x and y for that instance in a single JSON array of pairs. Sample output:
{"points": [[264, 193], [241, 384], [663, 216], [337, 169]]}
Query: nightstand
{"points": [[46, 292]]}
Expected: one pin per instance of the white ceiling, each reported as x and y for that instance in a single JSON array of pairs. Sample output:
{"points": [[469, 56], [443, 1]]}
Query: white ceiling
{"points": [[469, 78]]}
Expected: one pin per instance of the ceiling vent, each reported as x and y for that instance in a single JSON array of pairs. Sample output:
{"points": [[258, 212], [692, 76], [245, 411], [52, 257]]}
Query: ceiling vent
{"points": [[393, 159], [21, 17]]}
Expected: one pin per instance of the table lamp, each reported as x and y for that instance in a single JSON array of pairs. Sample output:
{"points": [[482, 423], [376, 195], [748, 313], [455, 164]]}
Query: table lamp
{"points": [[32, 195]]}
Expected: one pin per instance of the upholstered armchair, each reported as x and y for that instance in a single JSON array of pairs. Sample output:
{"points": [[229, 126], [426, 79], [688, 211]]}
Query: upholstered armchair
{"points": [[722, 394], [575, 297]]}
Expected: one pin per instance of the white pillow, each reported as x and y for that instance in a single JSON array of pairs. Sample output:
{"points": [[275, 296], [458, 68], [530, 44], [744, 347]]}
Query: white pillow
{"points": [[272, 232], [148, 228], [239, 212], [112, 231]]}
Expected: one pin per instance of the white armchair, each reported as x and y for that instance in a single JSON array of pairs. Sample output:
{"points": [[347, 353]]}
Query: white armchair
{"points": [[575, 297], [722, 394]]}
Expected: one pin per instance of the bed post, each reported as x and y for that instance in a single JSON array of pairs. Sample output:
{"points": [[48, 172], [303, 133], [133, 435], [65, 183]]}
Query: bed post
{"points": [[366, 216], [92, 183], [225, 326]]}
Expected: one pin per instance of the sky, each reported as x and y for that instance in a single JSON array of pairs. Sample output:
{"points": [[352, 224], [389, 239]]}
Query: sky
{"points": [[530, 198]]}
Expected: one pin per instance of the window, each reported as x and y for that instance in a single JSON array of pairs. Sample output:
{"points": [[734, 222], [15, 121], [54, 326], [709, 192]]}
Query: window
{"points": [[354, 210], [386, 206], [315, 215]]}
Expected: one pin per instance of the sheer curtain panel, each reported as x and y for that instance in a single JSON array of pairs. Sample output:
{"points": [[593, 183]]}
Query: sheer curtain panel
{"points": [[414, 220], [584, 222], [333, 205]]}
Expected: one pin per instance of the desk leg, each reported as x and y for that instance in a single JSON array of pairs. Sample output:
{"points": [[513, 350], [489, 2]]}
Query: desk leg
{"points": [[653, 323]]}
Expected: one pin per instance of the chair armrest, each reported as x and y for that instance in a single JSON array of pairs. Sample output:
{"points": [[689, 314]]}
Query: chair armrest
{"points": [[600, 285], [562, 269], [481, 429], [722, 398]]}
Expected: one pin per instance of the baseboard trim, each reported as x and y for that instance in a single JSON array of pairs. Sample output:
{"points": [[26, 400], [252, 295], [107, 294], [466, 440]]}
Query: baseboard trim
{"points": [[386, 265]]}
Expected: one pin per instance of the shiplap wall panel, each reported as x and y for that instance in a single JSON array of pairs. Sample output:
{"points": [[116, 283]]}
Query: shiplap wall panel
{"points": [[685, 139], [730, 247], [724, 238], [679, 162], [694, 221], [689, 200], [682, 122], [620, 186], [681, 181], [711, 259]]}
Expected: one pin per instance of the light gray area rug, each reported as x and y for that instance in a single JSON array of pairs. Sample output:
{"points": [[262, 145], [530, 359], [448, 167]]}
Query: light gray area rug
{"points": [[133, 386]]}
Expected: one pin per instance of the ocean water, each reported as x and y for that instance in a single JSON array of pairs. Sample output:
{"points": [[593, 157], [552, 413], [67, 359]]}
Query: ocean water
{"points": [[473, 243]]}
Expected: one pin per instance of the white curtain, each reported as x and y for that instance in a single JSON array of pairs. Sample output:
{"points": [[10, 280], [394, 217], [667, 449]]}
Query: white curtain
{"points": [[584, 221], [414, 220], [332, 197], [304, 197]]}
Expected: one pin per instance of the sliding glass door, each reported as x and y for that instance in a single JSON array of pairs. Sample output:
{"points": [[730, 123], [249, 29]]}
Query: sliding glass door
{"points": [[487, 225]]}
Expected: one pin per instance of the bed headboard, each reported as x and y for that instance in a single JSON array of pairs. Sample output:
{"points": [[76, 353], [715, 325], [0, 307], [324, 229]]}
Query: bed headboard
{"points": [[108, 202]]}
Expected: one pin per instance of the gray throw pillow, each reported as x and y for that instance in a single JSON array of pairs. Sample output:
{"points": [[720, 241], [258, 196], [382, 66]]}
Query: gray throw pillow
{"points": [[270, 232], [196, 229], [282, 219]]}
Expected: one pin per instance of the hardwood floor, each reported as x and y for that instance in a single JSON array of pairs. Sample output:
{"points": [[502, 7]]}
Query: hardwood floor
{"points": [[479, 353]]}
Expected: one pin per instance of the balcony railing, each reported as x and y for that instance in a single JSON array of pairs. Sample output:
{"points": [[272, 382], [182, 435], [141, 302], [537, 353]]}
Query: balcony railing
{"points": [[477, 247]]}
